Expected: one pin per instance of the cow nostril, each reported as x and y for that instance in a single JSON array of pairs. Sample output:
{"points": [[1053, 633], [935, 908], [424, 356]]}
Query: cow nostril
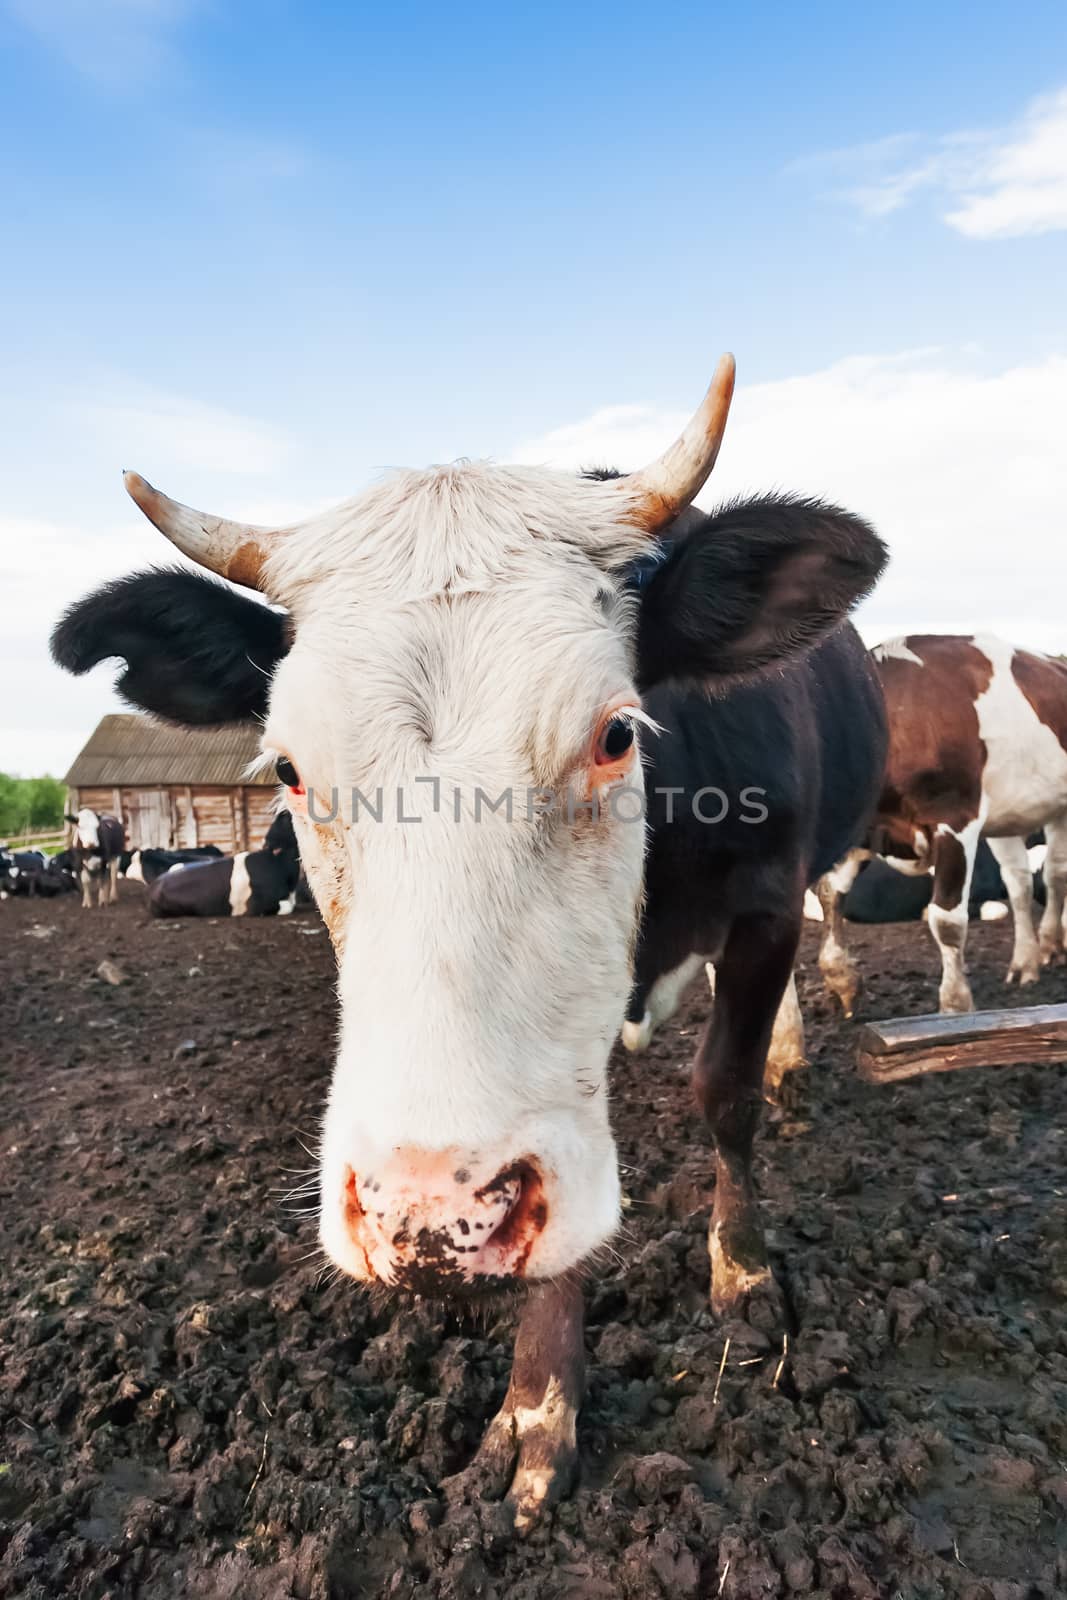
{"points": [[521, 1208]]}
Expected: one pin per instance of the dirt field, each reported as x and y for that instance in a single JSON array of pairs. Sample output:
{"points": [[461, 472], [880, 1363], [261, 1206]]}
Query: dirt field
{"points": [[186, 1412]]}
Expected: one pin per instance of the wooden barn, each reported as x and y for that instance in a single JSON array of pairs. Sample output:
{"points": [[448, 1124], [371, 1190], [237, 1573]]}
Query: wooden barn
{"points": [[175, 787]]}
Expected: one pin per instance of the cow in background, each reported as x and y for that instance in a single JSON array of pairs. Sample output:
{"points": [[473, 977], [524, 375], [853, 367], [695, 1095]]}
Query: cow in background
{"points": [[253, 883], [146, 865], [977, 749], [34, 874], [97, 850], [31, 873]]}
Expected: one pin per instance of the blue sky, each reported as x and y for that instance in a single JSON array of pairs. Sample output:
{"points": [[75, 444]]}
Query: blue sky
{"points": [[261, 251]]}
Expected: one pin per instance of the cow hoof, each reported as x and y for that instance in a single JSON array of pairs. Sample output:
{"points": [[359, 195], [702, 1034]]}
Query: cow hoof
{"points": [[528, 1459], [759, 1304], [637, 1036], [1056, 957], [955, 1004], [743, 1287]]}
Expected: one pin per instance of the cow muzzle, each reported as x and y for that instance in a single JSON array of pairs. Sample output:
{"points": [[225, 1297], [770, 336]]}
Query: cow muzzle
{"points": [[429, 1222]]}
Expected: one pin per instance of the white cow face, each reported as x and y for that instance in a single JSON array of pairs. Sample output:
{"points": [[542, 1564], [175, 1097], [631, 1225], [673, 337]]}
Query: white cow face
{"points": [[476, 654], [87, 829]]}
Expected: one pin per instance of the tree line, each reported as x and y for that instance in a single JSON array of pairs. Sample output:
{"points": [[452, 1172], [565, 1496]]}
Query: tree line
{"points": [[30, 805]]}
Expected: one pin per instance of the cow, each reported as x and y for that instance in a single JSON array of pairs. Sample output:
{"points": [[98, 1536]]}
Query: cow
{"points": [[32, 873], [819, 728], [97, 850], [977, 750], [146, 865], [253, 883], [453, 680]]}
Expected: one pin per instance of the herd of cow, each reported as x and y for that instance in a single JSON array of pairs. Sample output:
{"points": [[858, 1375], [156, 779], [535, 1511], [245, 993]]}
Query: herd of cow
{"points": [[195, 882], [544, 634]]}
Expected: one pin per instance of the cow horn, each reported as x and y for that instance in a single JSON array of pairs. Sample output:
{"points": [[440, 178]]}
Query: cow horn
{"points": [[235, 550], [668, 485]]}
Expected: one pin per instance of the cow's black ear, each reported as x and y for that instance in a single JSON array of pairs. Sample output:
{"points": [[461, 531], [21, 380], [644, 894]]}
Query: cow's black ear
{"points": [[750, 585], [196, 652], [68, 818]]}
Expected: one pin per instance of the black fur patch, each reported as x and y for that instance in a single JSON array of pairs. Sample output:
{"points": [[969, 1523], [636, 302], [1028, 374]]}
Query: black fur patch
{"points": [[758, 581], [196, 652]]}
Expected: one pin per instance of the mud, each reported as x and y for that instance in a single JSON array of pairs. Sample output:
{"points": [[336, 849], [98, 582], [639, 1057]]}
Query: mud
{"points": [[189, 1409]]}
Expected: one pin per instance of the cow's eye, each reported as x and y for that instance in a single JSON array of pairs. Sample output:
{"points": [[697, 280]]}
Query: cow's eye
{"points": [[613, 741], [287, 773]]}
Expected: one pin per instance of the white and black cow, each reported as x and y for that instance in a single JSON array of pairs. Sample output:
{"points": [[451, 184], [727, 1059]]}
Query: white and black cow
{"points": [[97, 849], [977, 750], [31, 873], [146, 865], [454, 699], [253, 883]]}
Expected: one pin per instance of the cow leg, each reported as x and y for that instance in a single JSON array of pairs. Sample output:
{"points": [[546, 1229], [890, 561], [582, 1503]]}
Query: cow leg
{"points": [[1010, 856], [1052, 935], [87, 886], [750, 980], [786, 1050], [840, 973], [954, 853], [112, 876], [660, 1002], [530, 1452]]}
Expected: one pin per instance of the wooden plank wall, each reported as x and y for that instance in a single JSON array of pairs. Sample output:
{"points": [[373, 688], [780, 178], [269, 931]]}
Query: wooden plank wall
{"points": [[233, 818]]}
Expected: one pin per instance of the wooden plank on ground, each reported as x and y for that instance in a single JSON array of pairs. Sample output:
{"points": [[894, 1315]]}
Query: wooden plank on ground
{"points": [[906, 1047]]}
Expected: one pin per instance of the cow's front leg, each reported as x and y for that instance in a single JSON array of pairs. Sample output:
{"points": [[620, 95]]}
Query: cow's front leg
{"points": [[87, 890], [954, 853], [529, 1454], [750, 981]]}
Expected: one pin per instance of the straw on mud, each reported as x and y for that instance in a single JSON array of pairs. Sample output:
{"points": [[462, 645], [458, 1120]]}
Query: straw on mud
{"points": [[262, 1458], [782, 1362], [718, 1381], [725, 1575]]}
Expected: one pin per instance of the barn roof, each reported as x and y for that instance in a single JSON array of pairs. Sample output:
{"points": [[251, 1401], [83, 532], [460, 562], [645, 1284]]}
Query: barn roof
{"points": [[125, 750]]}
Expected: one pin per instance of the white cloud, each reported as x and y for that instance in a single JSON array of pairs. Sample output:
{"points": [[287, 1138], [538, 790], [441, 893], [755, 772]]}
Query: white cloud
{"points": [[988, 183], [1024, 186], [110, 40], [960, 471]]}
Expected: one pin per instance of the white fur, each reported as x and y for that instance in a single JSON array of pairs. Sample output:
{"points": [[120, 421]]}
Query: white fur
{"points": [[897, 649], [240, 885], [812, 909], [1025, 779], [663, 1000], [135, 872], [87, 830], [463, 624]]}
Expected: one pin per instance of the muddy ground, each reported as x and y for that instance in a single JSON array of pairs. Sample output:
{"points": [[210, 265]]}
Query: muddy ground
{"points": [[188, 1411]]}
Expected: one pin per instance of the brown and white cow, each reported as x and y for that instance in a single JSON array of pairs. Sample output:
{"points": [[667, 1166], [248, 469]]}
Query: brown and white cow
{"points": [[453, 699], [977, 749]]}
